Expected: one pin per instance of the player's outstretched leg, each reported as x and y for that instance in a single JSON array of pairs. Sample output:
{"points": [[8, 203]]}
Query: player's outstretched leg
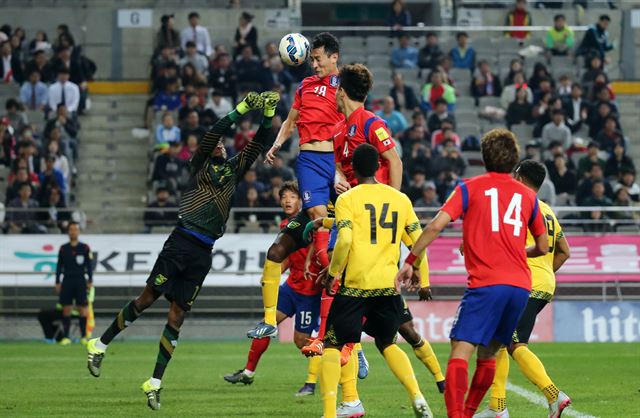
{"points": [[423, 351], [168, 343], [245, 376], [97, 347]]}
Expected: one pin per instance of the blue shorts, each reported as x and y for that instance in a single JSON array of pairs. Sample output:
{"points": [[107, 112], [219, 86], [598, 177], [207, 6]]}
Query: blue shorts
{"points": [[306, 308], [315, 172], [489, 313], [333, 237]]}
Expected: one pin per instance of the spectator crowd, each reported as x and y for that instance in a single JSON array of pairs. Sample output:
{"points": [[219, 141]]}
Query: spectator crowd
{"points": [[39, 131]]}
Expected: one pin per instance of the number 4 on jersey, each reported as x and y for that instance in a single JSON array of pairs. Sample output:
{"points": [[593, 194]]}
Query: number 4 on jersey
{"points": [[511, 216]]}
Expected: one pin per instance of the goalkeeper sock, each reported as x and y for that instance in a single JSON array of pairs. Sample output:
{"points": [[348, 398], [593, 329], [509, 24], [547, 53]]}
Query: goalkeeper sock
{"points": [[482, 379], [66, 324], [125, 317], [83, 325], [270, 284], [400, 365], [258, 347], [168, 343], [314, 369], [329, 378], [534, 370], [425, 354], [498, 399]]}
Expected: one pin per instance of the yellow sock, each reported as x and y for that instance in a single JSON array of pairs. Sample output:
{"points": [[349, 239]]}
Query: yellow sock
{"points": [[314, 368], [425, 354], [400, 365], [498, 399], [532, 368], [349, 379], [329, 378], [270, 284]]}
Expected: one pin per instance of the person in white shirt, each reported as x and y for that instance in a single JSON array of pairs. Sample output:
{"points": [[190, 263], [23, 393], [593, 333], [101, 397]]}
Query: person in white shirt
{"points": [[557, 131], [200, 62], [65, 92], [197, 34], [219, 104]]}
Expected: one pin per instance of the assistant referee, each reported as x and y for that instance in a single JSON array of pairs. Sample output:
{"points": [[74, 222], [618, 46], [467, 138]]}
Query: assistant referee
{"points": [[76, 268]]}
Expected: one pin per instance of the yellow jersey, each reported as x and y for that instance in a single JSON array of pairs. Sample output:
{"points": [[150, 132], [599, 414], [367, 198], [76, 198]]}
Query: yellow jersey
{"points": [[371, 221], [543, 278]]}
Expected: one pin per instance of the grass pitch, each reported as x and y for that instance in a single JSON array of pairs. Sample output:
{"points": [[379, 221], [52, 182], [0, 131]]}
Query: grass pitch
{"points": [[38, 380]]}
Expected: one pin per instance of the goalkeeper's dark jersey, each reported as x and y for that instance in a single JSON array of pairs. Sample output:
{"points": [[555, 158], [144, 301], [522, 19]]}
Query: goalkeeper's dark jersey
{"points": [[205, 205]]}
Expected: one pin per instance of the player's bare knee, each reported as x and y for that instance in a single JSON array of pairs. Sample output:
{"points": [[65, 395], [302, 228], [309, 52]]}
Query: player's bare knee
{"points": [[382, 345], [145, 299], [300, 339], [410, 335], [176, 316], [276, 253], [66, 310], [515, 346]]}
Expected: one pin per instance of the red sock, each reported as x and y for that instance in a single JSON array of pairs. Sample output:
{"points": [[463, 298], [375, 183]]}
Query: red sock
{"points": [[258, 347], [321, 245], [456, 387], [325, 306], [482, 379]]}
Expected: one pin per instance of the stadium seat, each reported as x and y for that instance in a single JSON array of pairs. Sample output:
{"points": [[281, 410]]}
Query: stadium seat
{"points": [[460, 76], [482, 44], [489, 101], [353, 59], [523, 132], [465, 103], [381, 73], [465, 129], [379, 61], [410, 75], [352, 43], [381, 89], [378, 44]]}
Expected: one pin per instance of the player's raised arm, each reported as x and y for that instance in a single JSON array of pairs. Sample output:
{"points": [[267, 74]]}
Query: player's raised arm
{"points": [[561, 253], [285, 132]]}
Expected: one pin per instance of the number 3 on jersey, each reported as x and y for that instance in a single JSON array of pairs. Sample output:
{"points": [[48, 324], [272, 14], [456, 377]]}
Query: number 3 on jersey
{"points": [[511, 216], [320, 90]]}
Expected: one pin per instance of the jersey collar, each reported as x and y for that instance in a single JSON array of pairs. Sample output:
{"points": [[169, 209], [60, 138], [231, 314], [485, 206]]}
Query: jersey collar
{"points": [[353, 116]]}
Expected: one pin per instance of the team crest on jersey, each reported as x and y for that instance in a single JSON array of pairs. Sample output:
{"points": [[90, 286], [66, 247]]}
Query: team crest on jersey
{"points": [[293, 224], [352, 130], [306, 196], [160, 278], [334, 80], [80, 259]]}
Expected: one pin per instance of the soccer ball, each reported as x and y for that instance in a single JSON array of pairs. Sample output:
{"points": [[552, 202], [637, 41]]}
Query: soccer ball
{"points": [[294, 49]]}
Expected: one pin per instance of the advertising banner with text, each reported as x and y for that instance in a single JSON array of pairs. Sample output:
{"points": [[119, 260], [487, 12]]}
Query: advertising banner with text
{"points": [[123, 260]]}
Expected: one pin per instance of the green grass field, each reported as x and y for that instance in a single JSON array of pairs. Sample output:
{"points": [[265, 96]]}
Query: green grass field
{"points": [[38, 380]]}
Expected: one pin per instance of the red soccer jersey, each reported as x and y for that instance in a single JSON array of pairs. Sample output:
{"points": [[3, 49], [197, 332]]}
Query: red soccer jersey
{"points": [[315, 100], [497, 211], [361, 127], [296, 279]]}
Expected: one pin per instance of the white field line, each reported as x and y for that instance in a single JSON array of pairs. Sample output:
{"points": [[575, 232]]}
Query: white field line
{"points": [[542, 401]]}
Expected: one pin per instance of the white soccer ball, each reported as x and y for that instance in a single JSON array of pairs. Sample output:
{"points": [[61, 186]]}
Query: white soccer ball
{"points": [[294, 49]]}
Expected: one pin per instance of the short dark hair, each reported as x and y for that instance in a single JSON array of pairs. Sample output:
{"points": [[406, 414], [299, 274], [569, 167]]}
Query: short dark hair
{"points": [[557, 112], [365, 160], [193, 14], [356, 81], [533, 172], [441, 100], [461, 34], [161, 189], [327, 41], [558, 17], [73, 223], [431, 33], [11, 103], [500, 151], [605, 17], [190, 44], [289, 186]]}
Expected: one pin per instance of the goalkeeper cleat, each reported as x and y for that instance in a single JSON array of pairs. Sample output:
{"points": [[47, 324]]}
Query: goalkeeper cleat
{"points": [[306, 390], [350, 410], [421, 408], [490, 413], [363, 365], [314, 348], [440, 386], [94, 357], [153, 394], [239, 377], [263, 330], [560, 404], [64, 341], [345, 354]]}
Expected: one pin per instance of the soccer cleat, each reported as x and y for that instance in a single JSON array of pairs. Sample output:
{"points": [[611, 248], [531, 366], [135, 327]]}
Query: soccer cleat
{"points": [[84, 341], [314, 348], [363, 365], [345, 354], [263, 330], [64, 341], [50, 341], [440, 386], [307, 390], [94, 358], [239, 377], [490, 413], [559, 405], [421, 408], [271, 99], [350, 410], [153, 394]]}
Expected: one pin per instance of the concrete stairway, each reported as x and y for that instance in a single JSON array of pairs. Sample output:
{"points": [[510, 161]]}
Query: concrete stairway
{"points": [[113, 165], [629, 107]]}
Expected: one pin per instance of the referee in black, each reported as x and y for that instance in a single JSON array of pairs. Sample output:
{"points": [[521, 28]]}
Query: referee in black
{"points": [[185, 259], [75, 267]]}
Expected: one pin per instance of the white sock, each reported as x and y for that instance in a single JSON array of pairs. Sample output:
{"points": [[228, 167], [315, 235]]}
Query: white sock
{"points": [[249, 372], [155, 382], [100, 345]]}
